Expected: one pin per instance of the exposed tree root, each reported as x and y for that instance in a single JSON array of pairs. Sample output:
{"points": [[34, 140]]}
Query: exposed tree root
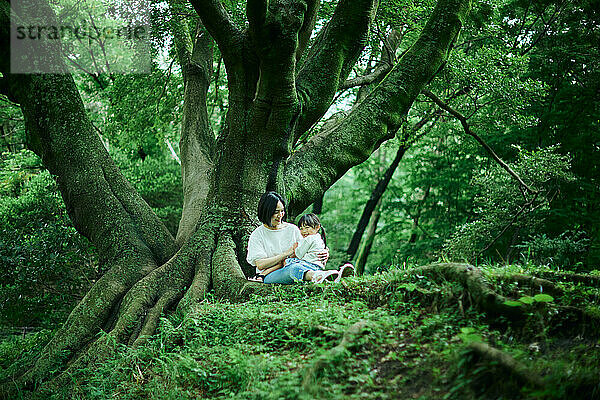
{"points": [[484, 297], [228, 279], [506, 362], [137, 312], [89, 316], [536, 284], [589, 280], [313, 372]]}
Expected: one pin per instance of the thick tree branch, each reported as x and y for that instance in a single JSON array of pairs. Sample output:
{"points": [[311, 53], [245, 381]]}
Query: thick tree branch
{"points": [[331, 58], [198, 143], [274, 110], [216, 20], [328, 155], [101, 203], [468, 131], [256, 12], [310, 19]]}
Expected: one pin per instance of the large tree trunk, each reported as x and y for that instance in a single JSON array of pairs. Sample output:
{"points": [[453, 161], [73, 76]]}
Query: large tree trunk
{"points": [[272, 104]]}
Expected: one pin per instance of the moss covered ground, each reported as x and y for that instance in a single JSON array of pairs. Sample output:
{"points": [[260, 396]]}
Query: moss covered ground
{"points": [[393, 335]]}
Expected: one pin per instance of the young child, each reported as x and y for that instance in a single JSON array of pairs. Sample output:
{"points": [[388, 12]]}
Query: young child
{"points": [[307, 250], [311, 244]]}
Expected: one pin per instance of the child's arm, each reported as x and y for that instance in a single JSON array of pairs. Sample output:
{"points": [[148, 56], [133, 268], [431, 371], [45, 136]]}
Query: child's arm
{"points": [[304, 246]]}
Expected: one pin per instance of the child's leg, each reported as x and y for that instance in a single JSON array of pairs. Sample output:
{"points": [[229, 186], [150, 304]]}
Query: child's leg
{"points": [[291, 273]]}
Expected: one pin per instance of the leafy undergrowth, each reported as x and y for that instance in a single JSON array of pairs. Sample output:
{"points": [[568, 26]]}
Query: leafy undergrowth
{"points": [[410, 342]]}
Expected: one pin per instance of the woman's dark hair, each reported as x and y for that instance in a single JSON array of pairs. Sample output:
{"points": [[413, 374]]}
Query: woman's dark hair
{"points": [[313, 221], [267, 206]]}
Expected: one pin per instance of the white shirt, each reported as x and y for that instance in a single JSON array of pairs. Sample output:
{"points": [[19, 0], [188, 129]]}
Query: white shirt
{"points": [[309, 247], [265, 242]]}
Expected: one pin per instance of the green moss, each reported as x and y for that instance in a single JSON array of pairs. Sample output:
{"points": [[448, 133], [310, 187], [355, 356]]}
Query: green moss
{"points": [[262, 348]]}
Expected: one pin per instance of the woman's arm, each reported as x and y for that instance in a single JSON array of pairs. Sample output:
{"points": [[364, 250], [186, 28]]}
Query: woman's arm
{"points": [[275, 267], [323, 255], [271, 261]]}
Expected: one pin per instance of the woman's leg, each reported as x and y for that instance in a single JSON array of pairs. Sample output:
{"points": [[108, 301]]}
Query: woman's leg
{"points": [[291, 273]]}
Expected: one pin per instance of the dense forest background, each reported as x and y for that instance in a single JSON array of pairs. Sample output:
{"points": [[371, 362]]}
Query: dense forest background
{"points": [[523, 79]]}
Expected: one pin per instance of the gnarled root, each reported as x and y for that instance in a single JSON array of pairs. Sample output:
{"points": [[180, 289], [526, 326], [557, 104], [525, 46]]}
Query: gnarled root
{"points": [[134, 312], [507, 362], [228, 279], [313, 372], [471, 278], [89, 316]]}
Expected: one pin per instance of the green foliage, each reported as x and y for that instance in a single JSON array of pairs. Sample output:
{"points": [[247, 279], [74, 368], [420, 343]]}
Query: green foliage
{"points": [[158, 180], [263, 348], [138, 113], [529, 300], [504, 212], [45, 264], [563, 250]]}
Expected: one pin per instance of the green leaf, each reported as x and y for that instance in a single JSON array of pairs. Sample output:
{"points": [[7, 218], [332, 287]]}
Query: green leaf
{"points": [[408, 286], [513, 303], [543, 298], [527, 300]]}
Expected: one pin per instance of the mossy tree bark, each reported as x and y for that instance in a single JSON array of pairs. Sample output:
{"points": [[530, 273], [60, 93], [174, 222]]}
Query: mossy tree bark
{"points": [[278, 88]]}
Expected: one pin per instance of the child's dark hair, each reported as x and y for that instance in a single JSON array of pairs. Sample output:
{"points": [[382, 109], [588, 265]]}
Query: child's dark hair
{"points": [[313, 221]]}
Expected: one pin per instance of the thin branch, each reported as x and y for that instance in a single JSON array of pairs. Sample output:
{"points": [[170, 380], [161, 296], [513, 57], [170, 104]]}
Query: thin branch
{"points": [[374, 76], [555, 14], [389, 46], [308, 25], [511, 222], [468, 131]]}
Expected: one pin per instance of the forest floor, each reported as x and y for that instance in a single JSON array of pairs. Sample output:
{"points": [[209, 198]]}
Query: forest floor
{"points": [[393, 335]]}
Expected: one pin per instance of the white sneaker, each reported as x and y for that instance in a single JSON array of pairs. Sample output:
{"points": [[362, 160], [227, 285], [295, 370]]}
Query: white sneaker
{"points": [[322, 276], [346, 270]]}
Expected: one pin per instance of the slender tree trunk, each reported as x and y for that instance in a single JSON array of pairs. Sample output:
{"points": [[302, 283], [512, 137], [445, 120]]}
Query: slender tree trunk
{"points": [[365, 247], [414, 233], [373, 201]]}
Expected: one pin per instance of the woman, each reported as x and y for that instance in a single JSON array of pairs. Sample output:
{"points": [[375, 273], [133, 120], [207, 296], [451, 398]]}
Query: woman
{"points": [[274, 241]]}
